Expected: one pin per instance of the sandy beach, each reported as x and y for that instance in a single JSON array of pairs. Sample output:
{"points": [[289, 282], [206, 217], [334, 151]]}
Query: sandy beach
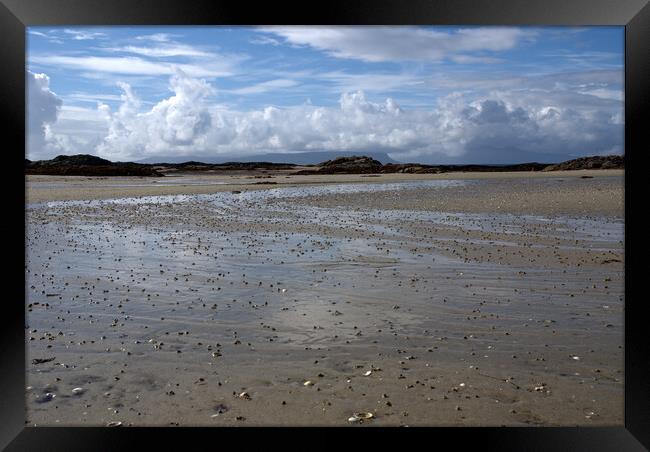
{"points": [[457, 299], [61, 188]]}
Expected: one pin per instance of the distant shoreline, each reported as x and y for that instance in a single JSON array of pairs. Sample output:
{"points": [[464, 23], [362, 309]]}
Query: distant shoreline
{"points": [[89, 165]]}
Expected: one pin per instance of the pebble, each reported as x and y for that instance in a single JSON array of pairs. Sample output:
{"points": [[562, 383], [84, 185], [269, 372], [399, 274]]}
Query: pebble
{"points": [[360, 417]]}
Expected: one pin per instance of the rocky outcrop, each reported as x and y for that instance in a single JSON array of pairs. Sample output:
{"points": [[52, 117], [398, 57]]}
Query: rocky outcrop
{"points": [[417, 168], [87, 165], [608, 162], [596, 162], [241, 166], [234, 167], [347, 165], [407, 168]]}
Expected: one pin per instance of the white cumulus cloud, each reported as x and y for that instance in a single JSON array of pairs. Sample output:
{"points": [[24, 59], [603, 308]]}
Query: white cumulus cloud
{"points": [[173, 123], [43, 107]]}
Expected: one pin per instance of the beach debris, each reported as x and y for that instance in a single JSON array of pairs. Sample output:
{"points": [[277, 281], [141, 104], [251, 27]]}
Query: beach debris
{"points": [[220, 409], [359, 418], [42, 360], [78, 391], [44, 398], [308, 383], [244, 395], [368, 373], [114, 424]]}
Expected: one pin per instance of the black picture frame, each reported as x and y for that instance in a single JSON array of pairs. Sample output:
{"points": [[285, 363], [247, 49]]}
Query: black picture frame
{"points": [[16, 15]]}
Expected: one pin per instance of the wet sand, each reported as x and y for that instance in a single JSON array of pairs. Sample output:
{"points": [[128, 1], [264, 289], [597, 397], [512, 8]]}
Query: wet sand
{"points": [[479, 301]]}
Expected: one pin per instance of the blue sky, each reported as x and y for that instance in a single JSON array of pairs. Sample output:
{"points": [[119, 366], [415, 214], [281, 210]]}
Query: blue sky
{"points": [[428, 94]]}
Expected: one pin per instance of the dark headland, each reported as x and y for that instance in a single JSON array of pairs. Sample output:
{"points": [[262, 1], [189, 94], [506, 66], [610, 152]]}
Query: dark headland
{"points": [[89, 165]]}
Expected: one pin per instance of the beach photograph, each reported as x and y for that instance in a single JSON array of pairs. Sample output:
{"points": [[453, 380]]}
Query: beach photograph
{"points": [[328, 226]]}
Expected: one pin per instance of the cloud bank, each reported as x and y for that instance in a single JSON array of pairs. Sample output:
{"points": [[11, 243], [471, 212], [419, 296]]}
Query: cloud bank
{"points": [[501, 125]]}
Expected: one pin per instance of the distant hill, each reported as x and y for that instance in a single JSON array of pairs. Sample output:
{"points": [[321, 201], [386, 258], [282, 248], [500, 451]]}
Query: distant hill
{"points": [[297, 158]]}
